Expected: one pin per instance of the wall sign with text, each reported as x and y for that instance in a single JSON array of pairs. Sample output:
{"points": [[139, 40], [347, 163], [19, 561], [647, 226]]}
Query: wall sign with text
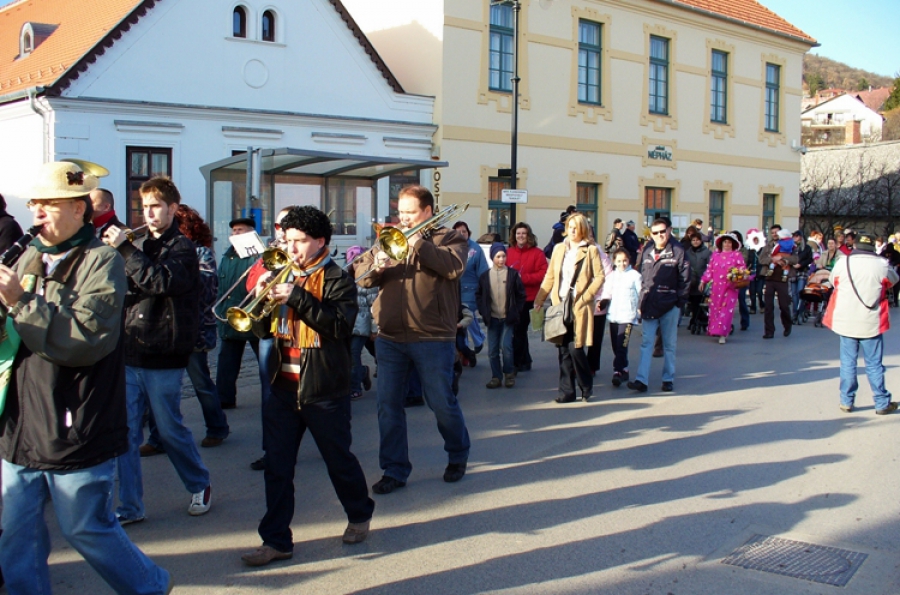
{"points": [[660, 153]]}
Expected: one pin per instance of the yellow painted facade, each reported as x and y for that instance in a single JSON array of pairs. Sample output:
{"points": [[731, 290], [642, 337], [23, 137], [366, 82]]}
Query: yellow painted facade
{"points": [[616, 147]]}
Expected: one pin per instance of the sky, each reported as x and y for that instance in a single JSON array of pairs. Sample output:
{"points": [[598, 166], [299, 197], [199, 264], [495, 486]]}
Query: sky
{"points": [[860, 33]]}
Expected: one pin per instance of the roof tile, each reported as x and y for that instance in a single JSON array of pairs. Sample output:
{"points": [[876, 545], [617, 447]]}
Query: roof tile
{"points": [[750, 12]]}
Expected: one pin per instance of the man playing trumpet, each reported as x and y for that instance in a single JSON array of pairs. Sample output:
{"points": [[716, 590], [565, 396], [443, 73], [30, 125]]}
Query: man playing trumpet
{"points": [[312, 322]]}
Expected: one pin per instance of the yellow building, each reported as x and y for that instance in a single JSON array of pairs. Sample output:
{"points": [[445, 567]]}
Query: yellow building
{"points": [[684, 108]]}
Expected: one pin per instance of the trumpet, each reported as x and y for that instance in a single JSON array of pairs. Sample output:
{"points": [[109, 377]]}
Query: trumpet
{"points": [[395, 242], [243, 318], [273, 259]]}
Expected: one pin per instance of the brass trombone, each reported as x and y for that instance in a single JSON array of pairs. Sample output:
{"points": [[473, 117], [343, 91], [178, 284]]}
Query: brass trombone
{"points": [[273, 259], [395, 242], [243, 318]]}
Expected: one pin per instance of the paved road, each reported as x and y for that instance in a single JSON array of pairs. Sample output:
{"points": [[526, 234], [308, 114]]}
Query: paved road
{"points": [[628, 494]]}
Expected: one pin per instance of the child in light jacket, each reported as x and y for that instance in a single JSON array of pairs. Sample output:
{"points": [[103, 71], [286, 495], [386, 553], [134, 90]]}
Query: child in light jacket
{"points": [[621, 290]]}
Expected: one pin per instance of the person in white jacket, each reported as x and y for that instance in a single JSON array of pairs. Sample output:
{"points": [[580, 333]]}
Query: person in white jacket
{"points": [[858, 313], [621, 291]]}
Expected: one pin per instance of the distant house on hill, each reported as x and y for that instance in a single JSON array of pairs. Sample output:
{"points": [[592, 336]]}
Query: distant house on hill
{"points": [[874, 98], [844, 120]]}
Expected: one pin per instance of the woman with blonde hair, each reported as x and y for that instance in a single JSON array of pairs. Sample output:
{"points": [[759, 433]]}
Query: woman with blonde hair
{"points": [[575, 273]]}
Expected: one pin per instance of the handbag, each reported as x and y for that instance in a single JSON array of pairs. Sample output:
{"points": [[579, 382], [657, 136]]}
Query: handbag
{"points": [[560, 317]]}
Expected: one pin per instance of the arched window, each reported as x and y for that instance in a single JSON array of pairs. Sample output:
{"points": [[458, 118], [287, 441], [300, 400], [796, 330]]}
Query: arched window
{"points": [[27, 43], [268, 26], [239, 22]]}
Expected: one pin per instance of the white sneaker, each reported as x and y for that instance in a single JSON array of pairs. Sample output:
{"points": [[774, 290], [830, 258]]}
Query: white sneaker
{"points": [[200, 502], [721, 340]]}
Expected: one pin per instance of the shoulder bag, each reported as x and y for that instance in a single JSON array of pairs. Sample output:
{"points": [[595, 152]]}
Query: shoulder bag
{"points": [[560, 316]]}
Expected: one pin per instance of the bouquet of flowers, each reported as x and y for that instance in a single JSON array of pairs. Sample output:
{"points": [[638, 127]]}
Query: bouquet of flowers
{"points": [[739, 277]]}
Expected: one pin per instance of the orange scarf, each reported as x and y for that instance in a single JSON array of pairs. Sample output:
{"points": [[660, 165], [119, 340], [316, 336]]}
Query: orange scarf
{"points": [[287, 325]]}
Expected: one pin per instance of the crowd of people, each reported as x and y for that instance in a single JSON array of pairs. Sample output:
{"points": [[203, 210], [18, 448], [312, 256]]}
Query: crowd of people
{"points": [[102, 324]]}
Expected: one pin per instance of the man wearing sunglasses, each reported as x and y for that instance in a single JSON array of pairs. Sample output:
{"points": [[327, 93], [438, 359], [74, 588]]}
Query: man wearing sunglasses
{"points": [[665, 287]]}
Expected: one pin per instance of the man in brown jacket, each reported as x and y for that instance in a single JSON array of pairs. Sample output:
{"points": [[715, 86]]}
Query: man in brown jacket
{"points": [[416, 311]]}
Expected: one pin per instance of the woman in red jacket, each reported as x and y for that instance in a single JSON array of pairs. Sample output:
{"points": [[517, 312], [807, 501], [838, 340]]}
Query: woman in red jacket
{"points": [[531, 263]]}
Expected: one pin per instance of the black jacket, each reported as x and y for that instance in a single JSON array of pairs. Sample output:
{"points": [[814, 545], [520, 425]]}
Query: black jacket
{"points": [[10, 231], [162, 308], [324, 371], [665, 281], [631, 243], [515, 295]]}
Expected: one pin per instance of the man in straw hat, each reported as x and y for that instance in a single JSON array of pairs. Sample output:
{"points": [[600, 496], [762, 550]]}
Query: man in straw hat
{"points": [[64, 420], [858, 313]]}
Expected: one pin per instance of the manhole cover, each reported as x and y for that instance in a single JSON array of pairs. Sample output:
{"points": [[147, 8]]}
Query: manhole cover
{"points": [[817, 563]]}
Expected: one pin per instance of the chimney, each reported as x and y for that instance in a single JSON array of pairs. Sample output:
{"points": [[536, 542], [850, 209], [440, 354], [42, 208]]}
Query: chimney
{"points": [[852, 136]]}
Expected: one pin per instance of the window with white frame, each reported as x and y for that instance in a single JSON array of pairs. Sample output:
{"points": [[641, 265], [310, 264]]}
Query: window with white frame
{"points": [[589, 51], [501, 48], [773, 91], [718, 92], [659, 75]]}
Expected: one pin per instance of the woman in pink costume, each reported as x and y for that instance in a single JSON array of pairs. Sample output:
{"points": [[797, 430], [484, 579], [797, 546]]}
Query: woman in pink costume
{"points": [[724, 294]]}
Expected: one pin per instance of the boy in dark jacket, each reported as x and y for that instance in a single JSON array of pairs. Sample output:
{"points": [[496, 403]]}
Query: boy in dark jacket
{"points": [[500, 297], [162, 319]]}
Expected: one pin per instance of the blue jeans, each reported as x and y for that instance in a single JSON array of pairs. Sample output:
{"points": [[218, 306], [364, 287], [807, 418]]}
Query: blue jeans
{"points": [[161, 389], [207, 395], [357, 344], [500, 337], [475, 328], [284, 426], [797, 287], [433, 360], [873, 350], [743, 308], [82, 501], [668, 325]]}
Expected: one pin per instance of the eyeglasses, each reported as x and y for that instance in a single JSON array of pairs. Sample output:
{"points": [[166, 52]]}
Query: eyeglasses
{"points": [[658, 233], [47, 205]]}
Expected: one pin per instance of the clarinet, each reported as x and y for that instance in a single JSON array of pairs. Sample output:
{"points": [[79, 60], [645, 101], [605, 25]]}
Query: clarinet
{"points": [[12, 254]]}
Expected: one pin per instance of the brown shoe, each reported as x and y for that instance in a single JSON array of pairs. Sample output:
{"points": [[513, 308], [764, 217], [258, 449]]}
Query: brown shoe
{"points": [[148, 450], [509, 380], [356, 532], [494, 383], [263, 555], [210, 442]]}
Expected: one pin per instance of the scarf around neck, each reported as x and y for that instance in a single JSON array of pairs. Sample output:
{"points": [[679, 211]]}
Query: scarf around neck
{"points": [[287, 325], [83, 236]]}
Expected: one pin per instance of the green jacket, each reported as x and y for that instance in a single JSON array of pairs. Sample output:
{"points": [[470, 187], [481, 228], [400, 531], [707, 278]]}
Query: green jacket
{"points": [[66, 404], [230, 270]]}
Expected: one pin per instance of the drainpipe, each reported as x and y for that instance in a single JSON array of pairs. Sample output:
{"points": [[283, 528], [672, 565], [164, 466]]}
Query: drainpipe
{"points": [[45, 117]]}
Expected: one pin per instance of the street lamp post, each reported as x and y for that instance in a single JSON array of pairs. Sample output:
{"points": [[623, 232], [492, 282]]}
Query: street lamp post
{"points": [[514, 140]]}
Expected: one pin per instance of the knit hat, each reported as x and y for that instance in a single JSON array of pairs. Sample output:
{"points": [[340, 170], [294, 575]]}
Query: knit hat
{"points": [[784, 234], [497, 247], [353, 252]]}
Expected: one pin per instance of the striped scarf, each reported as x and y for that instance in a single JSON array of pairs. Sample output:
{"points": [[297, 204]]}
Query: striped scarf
{"points": [[295, 334]]}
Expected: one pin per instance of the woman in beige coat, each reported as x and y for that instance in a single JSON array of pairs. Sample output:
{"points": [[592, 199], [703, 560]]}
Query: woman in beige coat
{"points": [[577, 256]]}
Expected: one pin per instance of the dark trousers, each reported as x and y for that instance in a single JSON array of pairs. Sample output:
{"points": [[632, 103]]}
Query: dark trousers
{"points": [[743, 308], [779, 288], [756, 291], [618, 335], [231, 352], [573, 366], [283, 429], [521, 352], [593, 352]]}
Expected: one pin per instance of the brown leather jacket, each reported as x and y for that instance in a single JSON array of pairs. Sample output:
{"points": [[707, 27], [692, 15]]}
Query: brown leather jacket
{"points": [[419, 298]]}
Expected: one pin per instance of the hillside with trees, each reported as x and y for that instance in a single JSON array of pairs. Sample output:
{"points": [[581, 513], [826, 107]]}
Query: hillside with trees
{"points": [[820, 72]]}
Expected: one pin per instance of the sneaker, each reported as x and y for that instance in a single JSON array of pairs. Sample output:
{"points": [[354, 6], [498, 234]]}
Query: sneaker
{"points": [[387, 484], [668, 387], [210, 442], [148, 450], [367, 380], [638, 386], [259, 464], [617, 379], [200, 502], [263, 555], [356, 532], [847, 408], [454, 472], [123, 521], [889, 409], [493, 383]]}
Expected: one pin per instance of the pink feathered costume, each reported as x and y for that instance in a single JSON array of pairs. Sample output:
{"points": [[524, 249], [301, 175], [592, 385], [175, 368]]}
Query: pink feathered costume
{"points": [[724, 295]]}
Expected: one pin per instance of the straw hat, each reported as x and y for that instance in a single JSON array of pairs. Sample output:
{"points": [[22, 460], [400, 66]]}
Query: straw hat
{"points": [[66, 179]]}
